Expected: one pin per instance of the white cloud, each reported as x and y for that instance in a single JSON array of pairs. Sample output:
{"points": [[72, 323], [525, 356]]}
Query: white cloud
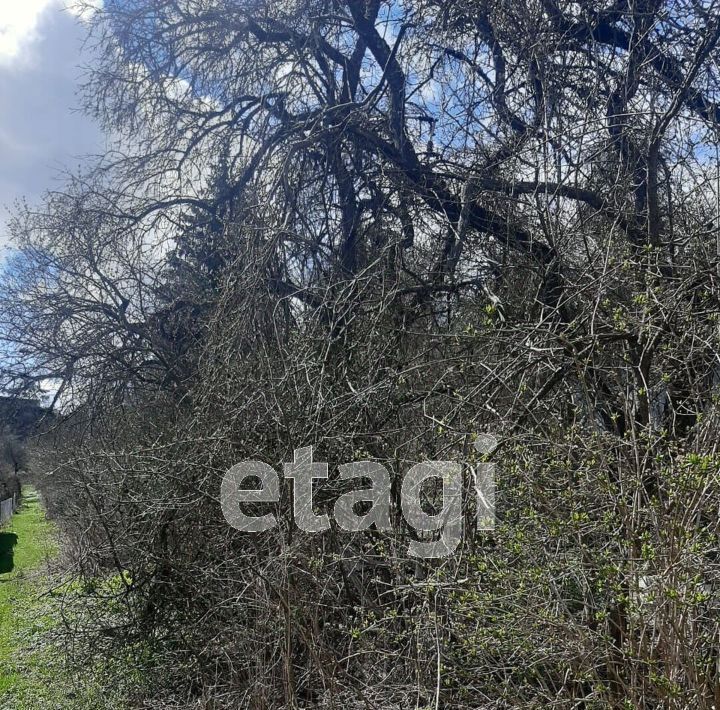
{"points": [[18, 25], [41, 133]]}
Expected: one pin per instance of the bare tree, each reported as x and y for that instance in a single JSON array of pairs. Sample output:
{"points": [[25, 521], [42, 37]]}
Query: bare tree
{"points": [[379, 227]]}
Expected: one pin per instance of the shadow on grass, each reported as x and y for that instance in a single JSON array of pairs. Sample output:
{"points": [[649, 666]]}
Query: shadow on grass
{"points": [[7, 543]]}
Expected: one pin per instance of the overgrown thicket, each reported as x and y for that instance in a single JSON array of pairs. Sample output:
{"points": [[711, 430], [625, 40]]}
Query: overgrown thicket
{"points": [[381, 228]]}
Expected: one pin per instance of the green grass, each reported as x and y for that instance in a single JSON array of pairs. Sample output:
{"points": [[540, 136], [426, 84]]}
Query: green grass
{"points": [[26, 544], [34, 671]]}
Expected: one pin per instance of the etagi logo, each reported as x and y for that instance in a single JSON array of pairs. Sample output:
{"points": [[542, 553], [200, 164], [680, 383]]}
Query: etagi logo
{"points": [[447, 524]]}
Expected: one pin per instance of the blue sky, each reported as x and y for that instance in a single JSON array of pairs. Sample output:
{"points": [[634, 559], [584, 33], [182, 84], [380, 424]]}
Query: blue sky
{"points": [[41, 130]]}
